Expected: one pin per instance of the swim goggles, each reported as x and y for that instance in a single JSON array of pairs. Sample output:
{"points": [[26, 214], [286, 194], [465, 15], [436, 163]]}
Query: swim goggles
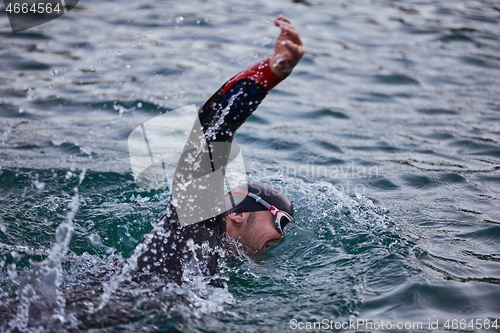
{"points": [[280, 218]]}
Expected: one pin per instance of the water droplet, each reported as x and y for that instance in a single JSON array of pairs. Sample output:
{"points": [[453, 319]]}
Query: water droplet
{"points": [[119, 108], [63, 233], [39, 185], [82, 175], [57, 319], [95, 239], [86, 151], [51, 264], [11, 270], [30, 94], [3, 227]]}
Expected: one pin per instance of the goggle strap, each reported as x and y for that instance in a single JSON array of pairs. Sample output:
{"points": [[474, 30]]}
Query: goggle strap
{"points": [[233, 204]]}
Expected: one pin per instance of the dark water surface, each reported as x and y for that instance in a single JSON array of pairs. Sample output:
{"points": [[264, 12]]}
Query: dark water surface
{"points": [[386, 137]]}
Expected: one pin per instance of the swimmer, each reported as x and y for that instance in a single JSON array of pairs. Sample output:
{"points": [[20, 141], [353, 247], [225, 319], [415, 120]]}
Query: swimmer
{"points": [[256, 213]]}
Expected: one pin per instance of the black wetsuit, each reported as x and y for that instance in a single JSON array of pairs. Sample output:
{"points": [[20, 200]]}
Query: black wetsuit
{"points": [[171, 249]]}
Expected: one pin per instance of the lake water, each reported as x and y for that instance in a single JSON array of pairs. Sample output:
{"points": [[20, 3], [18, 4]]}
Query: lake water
{"points": [[386, 137]]}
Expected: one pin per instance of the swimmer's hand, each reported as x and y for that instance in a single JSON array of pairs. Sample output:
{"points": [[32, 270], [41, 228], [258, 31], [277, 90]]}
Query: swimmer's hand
{"points": [[287, 50]]}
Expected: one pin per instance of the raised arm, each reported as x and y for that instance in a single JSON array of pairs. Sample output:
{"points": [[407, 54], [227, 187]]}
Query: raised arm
{"points": [[238, 98]]}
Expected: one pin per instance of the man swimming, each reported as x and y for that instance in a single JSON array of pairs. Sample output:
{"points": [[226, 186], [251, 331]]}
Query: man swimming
{"points": [[255, 214]]}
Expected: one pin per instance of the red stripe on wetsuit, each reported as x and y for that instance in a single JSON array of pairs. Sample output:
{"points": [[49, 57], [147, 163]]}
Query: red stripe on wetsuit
{"points": [[259, 72]]}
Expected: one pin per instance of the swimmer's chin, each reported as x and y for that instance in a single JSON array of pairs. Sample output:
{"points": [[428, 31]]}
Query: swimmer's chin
{"points": [[234, 246], [250, 250]]}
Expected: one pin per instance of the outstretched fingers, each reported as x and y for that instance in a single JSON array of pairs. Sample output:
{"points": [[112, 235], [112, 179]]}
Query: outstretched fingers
{"points": [[282, 18], [291, 33]]}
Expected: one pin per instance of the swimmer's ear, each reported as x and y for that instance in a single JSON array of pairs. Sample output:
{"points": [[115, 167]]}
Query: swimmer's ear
{"points": [[237, 218], [234, 224]]}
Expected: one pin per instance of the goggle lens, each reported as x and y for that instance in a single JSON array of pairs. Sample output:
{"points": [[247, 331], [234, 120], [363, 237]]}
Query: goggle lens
{"points": [[281, 220], [284, 221]]}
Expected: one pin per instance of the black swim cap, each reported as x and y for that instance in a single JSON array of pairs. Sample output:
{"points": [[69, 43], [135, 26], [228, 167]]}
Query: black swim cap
{"points": [[236, 203]]}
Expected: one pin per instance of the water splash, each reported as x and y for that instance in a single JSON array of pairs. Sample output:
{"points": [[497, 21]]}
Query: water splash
{"points": [[41, 302], [211, 132]]}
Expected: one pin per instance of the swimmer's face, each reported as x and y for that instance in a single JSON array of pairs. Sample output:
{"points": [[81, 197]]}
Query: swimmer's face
{"points": [[256, 230]]}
